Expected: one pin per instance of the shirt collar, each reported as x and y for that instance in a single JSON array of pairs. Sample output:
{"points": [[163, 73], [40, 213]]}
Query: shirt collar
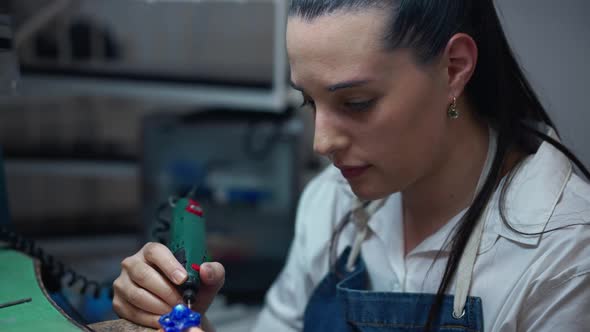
{"points": [[387, 225], [530, 200], [531, 197]]}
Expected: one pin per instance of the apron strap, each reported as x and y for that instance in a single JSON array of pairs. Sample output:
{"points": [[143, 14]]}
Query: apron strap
{"points": [[361, 214], [465, 268], [467, 261]]}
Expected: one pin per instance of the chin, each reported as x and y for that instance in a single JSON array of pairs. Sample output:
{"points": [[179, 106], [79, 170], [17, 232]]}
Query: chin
{"points": [[367, 192]]}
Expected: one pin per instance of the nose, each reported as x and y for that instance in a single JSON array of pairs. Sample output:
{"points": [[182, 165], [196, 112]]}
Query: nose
{"points": [[328, 137]]}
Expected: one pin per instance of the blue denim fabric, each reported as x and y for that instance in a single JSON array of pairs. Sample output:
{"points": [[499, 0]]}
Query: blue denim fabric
{"points": [[341, 302]]}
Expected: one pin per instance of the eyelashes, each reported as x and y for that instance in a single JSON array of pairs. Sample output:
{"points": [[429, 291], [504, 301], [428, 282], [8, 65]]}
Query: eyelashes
{"points": [[356, 106], [359, 106]]}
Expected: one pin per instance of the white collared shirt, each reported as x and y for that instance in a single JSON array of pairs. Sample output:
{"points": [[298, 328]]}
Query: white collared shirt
{"points": [[526, 282]]}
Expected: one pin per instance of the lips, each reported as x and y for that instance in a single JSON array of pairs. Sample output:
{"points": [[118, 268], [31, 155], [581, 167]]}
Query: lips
{"points": [[350, 172]]}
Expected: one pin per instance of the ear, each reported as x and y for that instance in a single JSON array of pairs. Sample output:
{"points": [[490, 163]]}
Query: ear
{"points": [[461, 56]]}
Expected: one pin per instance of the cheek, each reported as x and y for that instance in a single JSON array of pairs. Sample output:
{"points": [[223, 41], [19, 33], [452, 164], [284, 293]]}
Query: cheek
{"points": [[410, 131], [414, 120], [421, 105]]}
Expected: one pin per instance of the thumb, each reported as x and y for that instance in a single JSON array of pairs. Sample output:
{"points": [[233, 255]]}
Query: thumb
{"points": [[212, 277]]}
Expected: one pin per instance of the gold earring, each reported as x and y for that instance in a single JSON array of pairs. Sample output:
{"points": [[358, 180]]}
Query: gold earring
{"points": [[452, 112]]}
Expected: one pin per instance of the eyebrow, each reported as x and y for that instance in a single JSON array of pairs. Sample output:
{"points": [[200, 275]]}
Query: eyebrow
{"points": [[347, 85], [337, 86]]}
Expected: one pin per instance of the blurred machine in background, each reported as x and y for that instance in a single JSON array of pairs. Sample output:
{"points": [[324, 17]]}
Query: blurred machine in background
{"points": [[91, 70], [9, 72], [72, 165], [246, 167], [213, 53], [8, 81]]}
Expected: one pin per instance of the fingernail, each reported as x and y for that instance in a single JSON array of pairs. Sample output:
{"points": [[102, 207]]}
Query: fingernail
{"points": [[210, 271], [178, 276]]}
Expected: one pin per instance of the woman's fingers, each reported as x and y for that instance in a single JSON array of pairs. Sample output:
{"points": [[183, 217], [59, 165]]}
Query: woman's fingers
{"points": [[128, 311], [160, 256], [212, 277], [142, 287], [146, 289], [148, 278], [139, 297]]}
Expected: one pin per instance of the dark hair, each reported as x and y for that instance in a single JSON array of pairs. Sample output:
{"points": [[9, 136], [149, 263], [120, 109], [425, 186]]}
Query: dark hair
{"points": [[498, 90]]}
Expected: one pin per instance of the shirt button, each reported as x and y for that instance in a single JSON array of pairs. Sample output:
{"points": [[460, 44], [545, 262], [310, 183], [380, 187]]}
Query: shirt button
{"points": [[395, 287]]}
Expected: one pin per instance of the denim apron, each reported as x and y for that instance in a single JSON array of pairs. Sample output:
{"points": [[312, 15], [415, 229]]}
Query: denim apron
{"points": [[342, 302]]}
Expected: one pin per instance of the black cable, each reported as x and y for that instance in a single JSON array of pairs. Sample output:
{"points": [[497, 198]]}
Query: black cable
{"points": [[50, 267]]}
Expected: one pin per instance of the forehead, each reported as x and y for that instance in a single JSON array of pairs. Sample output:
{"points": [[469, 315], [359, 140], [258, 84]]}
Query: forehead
{"points": [[340, 44]]}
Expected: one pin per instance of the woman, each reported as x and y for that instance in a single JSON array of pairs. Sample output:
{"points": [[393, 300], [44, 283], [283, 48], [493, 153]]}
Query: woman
{"points": [[466, 215]]}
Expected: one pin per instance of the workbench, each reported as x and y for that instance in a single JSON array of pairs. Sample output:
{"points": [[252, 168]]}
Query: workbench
{"points": [[25, 304]]}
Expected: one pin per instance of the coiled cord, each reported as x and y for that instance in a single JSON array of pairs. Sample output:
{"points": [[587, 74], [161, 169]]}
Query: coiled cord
{"points": [[52, 268]]}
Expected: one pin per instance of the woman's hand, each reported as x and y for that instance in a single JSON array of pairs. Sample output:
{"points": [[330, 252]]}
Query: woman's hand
{"points": [[145, 290]]}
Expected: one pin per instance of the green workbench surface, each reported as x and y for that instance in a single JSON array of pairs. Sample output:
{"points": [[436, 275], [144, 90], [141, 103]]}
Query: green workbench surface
{"points": [[20, 279]]}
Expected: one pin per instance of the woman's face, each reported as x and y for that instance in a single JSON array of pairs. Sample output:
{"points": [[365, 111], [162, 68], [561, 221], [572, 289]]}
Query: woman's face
{"points": [[379, 116]]}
